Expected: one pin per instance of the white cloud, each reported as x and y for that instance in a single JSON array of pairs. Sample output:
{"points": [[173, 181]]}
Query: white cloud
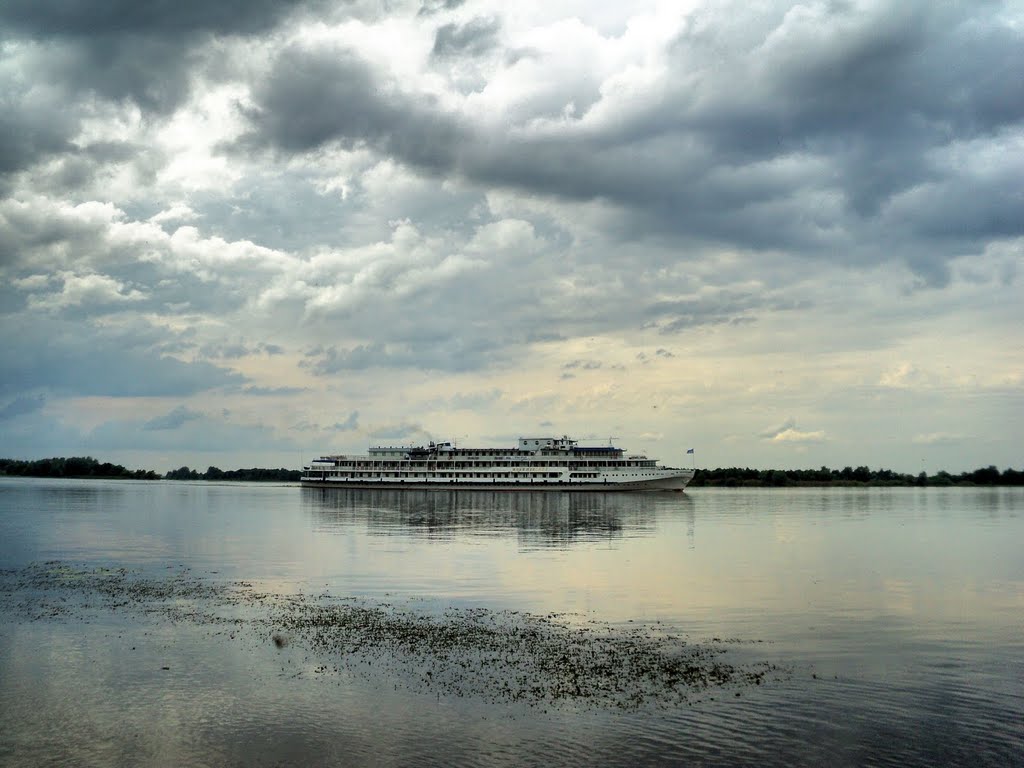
{"points": [[796, 436], [938, 438], [902, 375], [788, 433], [94, 291], [177, 212], [773, 432], [32, 282]]}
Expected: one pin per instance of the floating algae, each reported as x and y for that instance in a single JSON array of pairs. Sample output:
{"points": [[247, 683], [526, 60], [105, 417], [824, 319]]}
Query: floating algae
{"points": [[518, 657], [495, 655], [54, 590]]}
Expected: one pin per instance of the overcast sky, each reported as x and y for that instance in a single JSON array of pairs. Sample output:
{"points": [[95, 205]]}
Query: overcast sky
{"points": [[249, 232]]}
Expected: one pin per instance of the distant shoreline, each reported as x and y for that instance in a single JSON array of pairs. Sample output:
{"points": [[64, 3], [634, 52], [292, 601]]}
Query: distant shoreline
{"points": [[88, 468], [735, 477]]}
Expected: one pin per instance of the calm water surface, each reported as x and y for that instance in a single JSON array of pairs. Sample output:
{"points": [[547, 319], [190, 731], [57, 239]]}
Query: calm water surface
{"points": [[897, 615]]}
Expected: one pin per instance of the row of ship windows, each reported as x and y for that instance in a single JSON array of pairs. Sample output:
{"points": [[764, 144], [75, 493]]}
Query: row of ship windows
{"points": [[414, 476], [476, 475], [419, 467]]}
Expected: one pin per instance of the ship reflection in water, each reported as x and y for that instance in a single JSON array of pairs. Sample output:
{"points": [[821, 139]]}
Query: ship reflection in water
{"points": [[538, 519]]}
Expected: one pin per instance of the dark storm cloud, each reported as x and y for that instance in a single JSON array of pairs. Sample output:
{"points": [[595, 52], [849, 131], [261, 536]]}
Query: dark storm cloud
{"points": [[92, 18], [153, 72], [803, 129], [317, 96], [25, 228], [874, 96], [81, 166], [470, 39], [875, 92], [41, 121], [30, 130], [144, 52]]}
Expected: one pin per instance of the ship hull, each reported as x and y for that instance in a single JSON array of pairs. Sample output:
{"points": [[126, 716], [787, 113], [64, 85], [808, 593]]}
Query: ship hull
{"points": [[667, 483]]}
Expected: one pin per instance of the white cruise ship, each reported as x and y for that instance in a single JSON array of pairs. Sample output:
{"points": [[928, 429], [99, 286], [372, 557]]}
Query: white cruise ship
{"points": [[538, 463]]}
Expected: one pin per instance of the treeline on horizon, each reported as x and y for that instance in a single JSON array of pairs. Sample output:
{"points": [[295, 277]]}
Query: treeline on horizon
{"points": [[86, 467], [214, 473], [731, 477], [735, 477], [74, 466]]}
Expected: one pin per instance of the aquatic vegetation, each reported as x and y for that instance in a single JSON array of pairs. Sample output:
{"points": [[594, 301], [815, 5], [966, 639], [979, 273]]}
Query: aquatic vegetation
{"points": [[513, 656]]}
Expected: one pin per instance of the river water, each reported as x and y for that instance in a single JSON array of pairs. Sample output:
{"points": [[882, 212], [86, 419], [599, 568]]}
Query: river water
{"points": [[865, 626]]}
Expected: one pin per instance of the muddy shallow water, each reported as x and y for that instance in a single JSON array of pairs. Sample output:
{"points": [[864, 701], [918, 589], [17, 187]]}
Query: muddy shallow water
{"points": [[178, 623]]}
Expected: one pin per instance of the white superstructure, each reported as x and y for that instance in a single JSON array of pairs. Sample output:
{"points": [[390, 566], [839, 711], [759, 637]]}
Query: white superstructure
{"points": [[538, 463]]}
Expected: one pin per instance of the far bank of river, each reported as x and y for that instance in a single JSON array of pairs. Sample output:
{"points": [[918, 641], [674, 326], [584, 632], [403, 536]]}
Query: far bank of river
{"points": [[731, 477]]}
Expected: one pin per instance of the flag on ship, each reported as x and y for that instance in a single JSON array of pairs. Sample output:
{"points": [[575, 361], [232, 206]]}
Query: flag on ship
{"points": [[689, 450]]}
